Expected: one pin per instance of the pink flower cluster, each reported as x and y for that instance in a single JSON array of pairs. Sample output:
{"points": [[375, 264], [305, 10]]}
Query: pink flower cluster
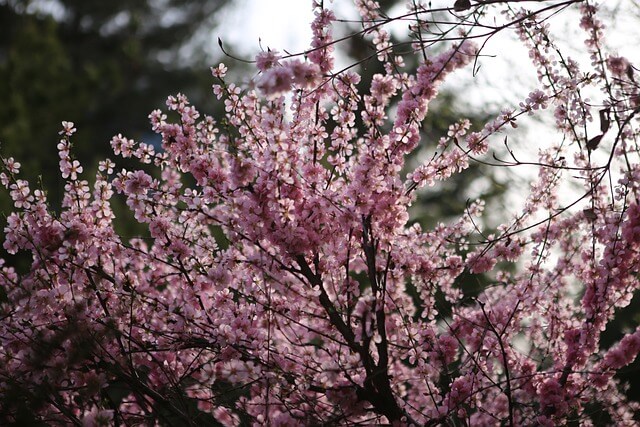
{"points": [[284, 280], [279, 79]]}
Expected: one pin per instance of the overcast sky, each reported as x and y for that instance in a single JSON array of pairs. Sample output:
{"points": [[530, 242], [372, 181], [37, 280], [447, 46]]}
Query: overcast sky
{"points": [[279, 24]]}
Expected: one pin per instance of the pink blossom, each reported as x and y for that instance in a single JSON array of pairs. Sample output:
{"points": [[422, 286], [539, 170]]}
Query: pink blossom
{"points": [[479, 262], [97, 418], [305, 75], [276, 81], [219, 71], [268, 59], [70, 169], [137, 182], [289, 272], [383, 87], [68, 128]]}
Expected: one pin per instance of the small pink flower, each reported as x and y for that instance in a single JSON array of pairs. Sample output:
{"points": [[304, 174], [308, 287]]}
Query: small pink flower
{"points": [[106, 166], [220, 71], [70, 169], [11, 165], [305, 75], [97, 418], [68, 129], [137, 182], [618, 65], [267, 60], [480, 262], [383, 87], [276, 81]]}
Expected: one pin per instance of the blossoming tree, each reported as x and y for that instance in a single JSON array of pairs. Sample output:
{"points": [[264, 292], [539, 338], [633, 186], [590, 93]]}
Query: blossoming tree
{"points": [[287, 285]]}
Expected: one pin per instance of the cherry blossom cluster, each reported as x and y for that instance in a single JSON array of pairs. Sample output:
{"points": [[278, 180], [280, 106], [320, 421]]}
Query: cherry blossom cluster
{"points": [[283, 280]]}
